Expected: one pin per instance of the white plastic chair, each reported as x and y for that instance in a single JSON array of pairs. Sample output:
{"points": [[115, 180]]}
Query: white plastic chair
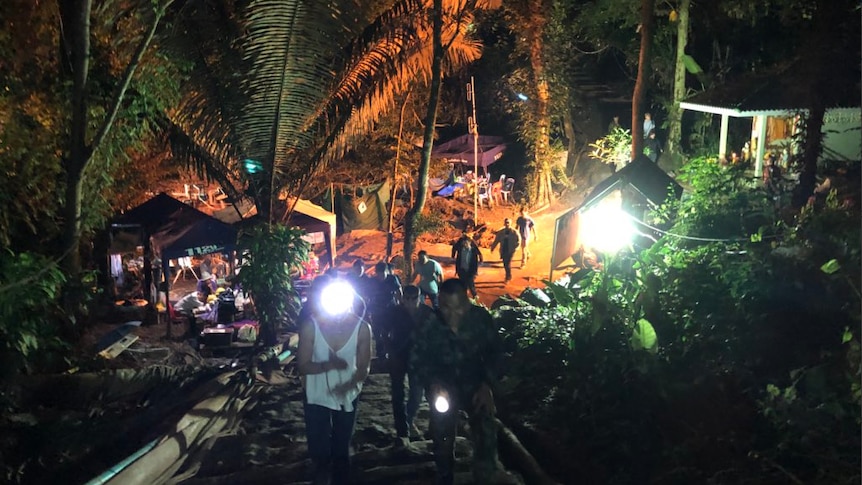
{"points": [[507, 189], [484, 194]]}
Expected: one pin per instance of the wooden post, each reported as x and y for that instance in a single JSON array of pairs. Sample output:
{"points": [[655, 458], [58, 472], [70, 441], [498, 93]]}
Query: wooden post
{"points": [[761, 145], [722, 140]]}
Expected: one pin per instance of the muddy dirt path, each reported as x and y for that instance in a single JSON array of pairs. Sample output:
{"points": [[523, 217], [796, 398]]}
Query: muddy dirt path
{"points": [[269, 444]]}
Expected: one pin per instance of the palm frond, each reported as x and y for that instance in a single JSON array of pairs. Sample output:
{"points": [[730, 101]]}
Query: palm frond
{"points": [[296, 81], [289, 49], [212, 100], [384, 67]]}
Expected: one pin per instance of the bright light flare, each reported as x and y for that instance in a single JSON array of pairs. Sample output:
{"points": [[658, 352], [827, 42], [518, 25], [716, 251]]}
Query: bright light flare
{"points": [[606, 228], [441, 404], [337, 298]]}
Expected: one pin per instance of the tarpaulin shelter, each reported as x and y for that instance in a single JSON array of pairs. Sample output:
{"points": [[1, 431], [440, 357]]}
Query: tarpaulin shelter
{"points": [[460, 150], [315, 220], [359, 207], [173, 230], [319, 223], [641, 185], [178, 230]]}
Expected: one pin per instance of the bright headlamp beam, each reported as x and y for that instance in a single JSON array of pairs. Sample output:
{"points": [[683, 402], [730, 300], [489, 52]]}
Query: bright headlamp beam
{"points": [[336, 298], [441, 404]]}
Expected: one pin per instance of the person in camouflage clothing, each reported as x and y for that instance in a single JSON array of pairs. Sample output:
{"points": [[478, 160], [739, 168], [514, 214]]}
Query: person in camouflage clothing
{"points": [[458, 356]]}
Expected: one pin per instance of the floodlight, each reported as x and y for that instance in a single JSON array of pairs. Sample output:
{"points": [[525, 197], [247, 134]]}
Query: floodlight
{"points": [[606, 228], [441, 404], [336, 298]]}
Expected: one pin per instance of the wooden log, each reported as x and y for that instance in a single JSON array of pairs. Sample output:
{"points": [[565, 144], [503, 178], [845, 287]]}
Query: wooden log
{"points": [[514, 453]]}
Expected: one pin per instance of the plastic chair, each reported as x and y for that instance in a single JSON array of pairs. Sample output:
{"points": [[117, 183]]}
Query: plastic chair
{"points": [[185, 264], [507, 189], [484, 195]]}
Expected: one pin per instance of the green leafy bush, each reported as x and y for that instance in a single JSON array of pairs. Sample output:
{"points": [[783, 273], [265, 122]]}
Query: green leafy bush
{"points": [[30, 288], [722, 354], [270, 254], [615, 148]]}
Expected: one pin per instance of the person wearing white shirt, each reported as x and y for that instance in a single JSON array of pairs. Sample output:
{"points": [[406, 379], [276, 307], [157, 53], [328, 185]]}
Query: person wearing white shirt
{"points": [[334, 358], [649, 124]]}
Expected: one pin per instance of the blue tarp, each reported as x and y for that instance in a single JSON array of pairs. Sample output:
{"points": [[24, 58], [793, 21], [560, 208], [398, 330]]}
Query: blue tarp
{"points": [[448, 190]]}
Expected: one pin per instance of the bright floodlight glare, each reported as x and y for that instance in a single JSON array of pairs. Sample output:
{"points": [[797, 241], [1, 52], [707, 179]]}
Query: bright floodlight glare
{"points": [[337, 297], [441, 404], [606, 228]]}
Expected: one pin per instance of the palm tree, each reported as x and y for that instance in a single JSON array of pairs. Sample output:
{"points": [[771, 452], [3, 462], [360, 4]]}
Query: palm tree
{"points": [[299, 83]]}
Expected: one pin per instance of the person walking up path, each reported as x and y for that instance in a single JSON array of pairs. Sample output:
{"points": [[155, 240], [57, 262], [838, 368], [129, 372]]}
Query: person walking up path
{"points": [[507, 238], [649, 124], [458, 359], [383, 292], [467, 256], [526, 226], [400, 324], [430, 275], [334, 358]]}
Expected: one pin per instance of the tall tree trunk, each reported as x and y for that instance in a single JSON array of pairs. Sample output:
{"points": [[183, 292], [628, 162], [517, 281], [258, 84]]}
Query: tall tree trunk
{"points": [[76, 18], [812, 150], [646, 27], [674, 137], [821, 51], [77, 21], [427, 139], [541, 191]]}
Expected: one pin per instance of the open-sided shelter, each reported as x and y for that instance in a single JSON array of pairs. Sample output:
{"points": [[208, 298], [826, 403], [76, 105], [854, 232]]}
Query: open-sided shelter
{"points": [[461, 150], [172, 229], [319, 223], [639, 186], [771, 101]]}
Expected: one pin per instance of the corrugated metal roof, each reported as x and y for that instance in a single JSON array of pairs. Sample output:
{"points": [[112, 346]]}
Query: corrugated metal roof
{"points": [[773, 92]]}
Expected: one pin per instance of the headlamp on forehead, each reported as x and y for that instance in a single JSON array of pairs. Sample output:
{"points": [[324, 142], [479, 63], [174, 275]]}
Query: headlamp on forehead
{"points": [[336, 298], [441, 404]]}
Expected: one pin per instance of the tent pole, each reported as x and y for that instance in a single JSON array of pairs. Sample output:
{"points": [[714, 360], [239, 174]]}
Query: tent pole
{"points": [[166, 274], [474, 129]]}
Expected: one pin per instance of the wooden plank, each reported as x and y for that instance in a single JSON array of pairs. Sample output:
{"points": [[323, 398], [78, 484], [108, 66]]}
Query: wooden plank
{"points": [[119, 346]]}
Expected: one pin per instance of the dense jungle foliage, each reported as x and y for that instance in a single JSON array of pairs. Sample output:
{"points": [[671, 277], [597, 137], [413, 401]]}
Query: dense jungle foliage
{"points": [[727, 352]]}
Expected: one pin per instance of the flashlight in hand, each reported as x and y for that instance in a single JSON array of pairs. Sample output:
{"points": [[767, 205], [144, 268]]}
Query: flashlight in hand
{"points": [[441, 404]]}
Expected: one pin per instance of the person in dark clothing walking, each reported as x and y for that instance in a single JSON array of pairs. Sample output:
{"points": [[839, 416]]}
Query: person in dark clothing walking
{"points": [[467, 256], [457, 358], [399, 324], [382, 290], [652, 147], [507, 238]]}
